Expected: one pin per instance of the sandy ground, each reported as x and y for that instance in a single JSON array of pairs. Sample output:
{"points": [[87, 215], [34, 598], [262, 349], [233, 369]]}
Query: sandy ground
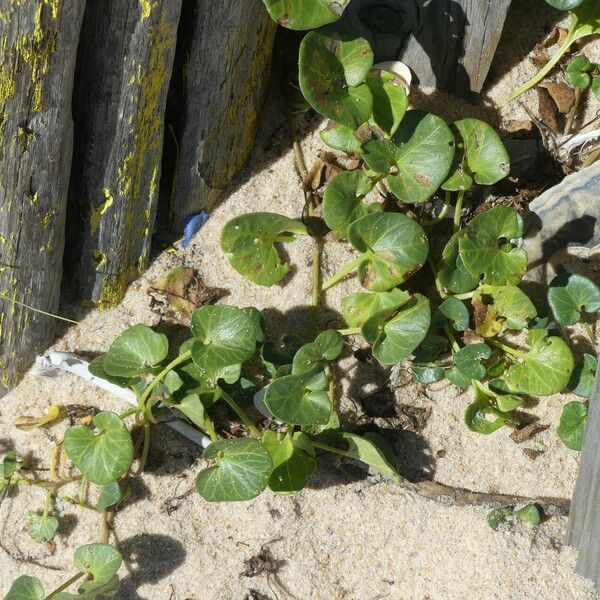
{"points": [[359, 540]]}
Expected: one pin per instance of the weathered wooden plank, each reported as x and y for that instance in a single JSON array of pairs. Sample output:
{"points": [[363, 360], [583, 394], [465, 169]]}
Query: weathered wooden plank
{"points": [[122, 79], [584, 517], [229, 48], [449, 44], [38, 45]]}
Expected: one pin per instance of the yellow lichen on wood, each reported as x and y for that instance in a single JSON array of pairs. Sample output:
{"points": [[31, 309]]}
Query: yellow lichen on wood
{"points": [[98, 212], [146, 6], [132, 178]]}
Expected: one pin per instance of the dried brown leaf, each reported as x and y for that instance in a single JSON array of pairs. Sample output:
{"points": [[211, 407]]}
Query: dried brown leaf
{"points": [[526, 433], [562, 95], [26, 422], [547, 109]]}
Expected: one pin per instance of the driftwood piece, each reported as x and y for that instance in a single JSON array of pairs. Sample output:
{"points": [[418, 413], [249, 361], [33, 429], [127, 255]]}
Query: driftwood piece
{"points": [[449, 44], [584, 518], [122, 79], [38, 45], [228, 52]]}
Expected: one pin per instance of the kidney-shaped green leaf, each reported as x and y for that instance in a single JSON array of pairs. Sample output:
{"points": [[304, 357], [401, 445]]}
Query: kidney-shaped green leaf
{"points": [[358, 308], [389, 100], [41, 527], [454, 310], [223, 336], [300, 399], [393, 245], [452, 273], [251, 239], [395, 334], [343, 201], [467, 364], [565, 4], [102, 562], [305, 14], [135, 352], [333, 68], [583, 377], [482, 156], [366, 450], [25, 588], [242, 471], [293, 461], [544, 370], [103, 456], [485, 247], [327, 346], [569, 295], [484, 406], [573, 423], [577, 72], [423, 149]]}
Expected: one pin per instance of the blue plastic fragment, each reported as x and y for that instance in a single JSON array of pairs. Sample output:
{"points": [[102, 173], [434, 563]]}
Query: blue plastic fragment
{"points": [[192, 225]]}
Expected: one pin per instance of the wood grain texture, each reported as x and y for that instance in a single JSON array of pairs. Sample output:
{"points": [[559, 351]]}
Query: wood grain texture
{"points": [[229, 45], [449, 44], [38, 45], [122, 79], [584, 517]]}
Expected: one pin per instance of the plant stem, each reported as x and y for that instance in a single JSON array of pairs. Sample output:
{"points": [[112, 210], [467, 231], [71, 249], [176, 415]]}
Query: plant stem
{"points": [[174, 363], [145, 449], [241, 414], [350, 331], [332, 449], [83, 490], [590, 332], [458, 209], [316, 286], [507, 349], [452, 338], [543, 72], [465, 296], [133, 411], [443, 212], [47, 503], [210, 428], [438, 286], [342, 274], [38, 310], [64, 586]]}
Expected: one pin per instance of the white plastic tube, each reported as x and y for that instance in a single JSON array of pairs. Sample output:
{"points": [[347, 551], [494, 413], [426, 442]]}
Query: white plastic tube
{"points": [[55, 363]]}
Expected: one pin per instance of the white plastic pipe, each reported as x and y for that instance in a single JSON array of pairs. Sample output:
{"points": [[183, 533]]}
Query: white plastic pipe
{"points": [[55, 363]]}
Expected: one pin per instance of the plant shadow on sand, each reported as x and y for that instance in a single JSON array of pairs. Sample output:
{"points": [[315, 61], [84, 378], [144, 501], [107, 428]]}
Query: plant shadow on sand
{"points": [[148, 558]]}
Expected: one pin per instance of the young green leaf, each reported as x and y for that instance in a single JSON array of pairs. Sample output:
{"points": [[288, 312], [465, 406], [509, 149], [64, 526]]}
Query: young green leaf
{"points": [[259, 322], [497, 308], [342, 138], [467, 364], [293, 461], [452, 273], [530, 514], [455, 311], [104, 456], [191, 406], [427, 375], [251, 239], [223, 336], [305, 14], [242, 472], [596, 86], [41, 528], [328, 346], [496, 517], [343, 201], [333, 67], [102, 562], [583, 377], [577, 72], [565, 4], [96, 368], [110, 495], [10, 465], [358, 308], [395, 334], [484, 406], [135, 352], [393, 247], [544, 370], [426, 368], [571, 294], [366, 450], [300, 399], [25, 588], [573, 423], [390, 101], [485, 248], [419, 156], [483, 160]]}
